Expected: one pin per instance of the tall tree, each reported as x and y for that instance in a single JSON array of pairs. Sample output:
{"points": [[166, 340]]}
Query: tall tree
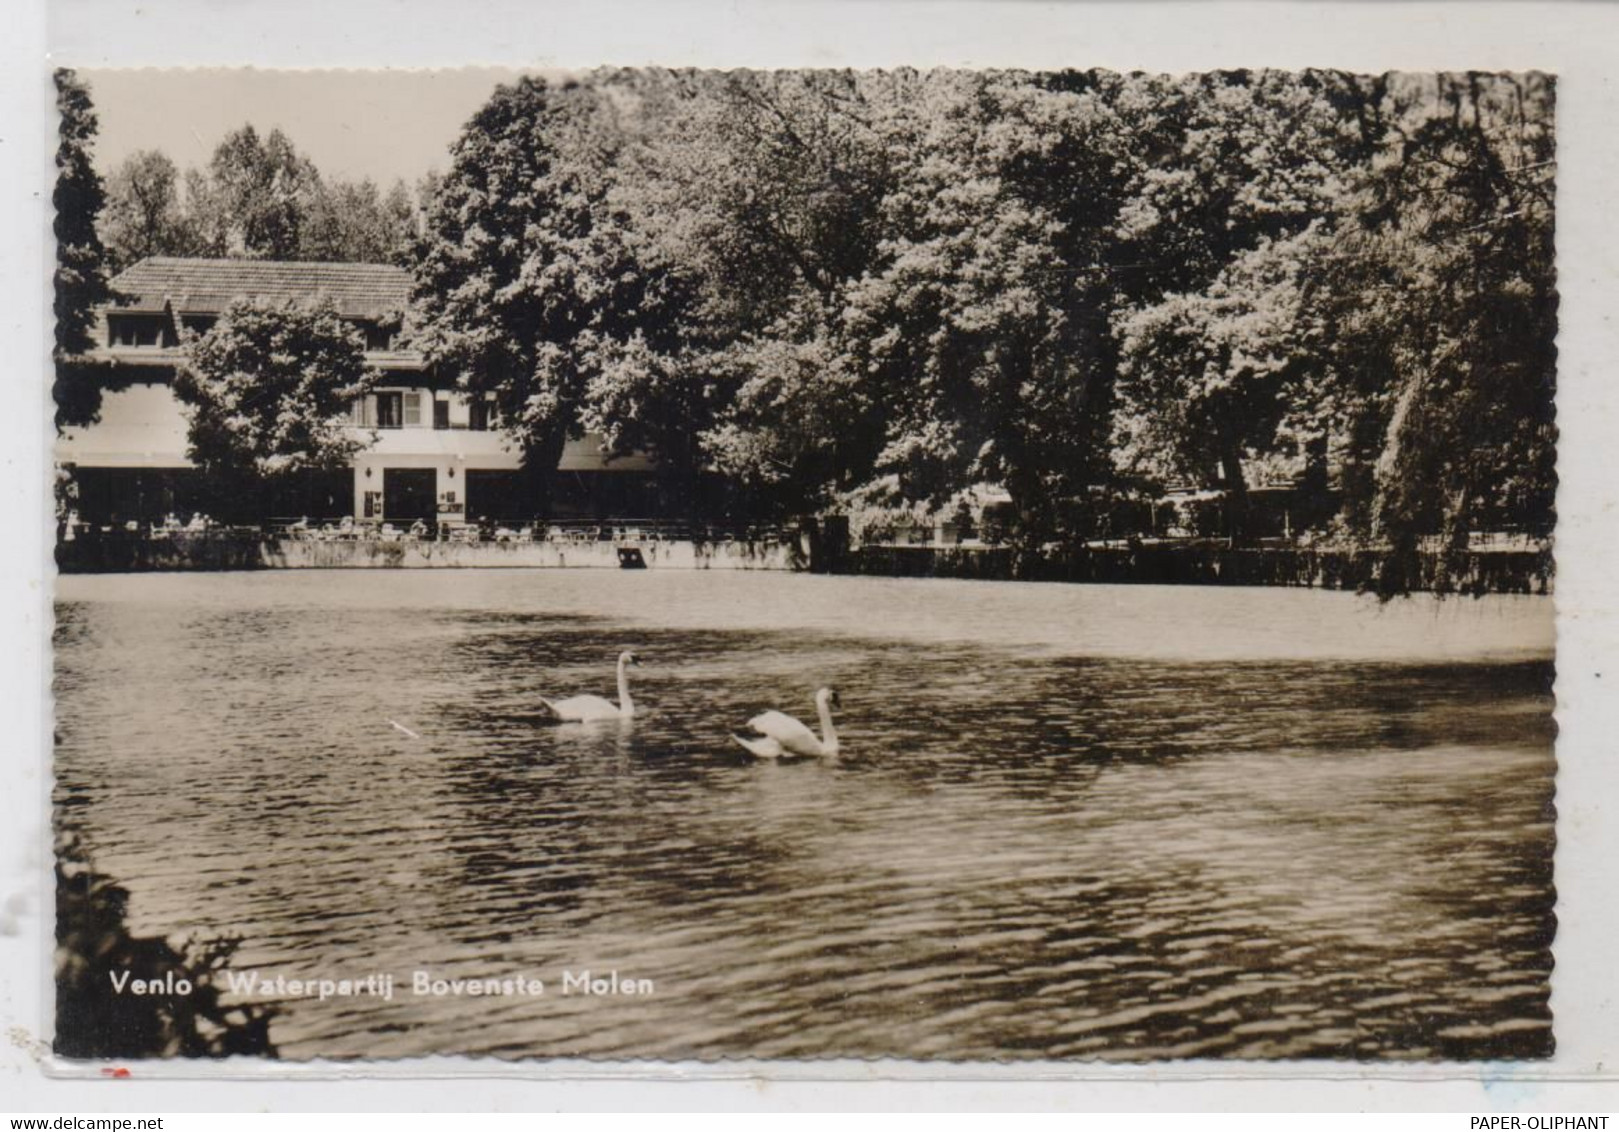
{"points": [[144, 215], [1210, 375], [983, 318], [759, 193], [81, 277], [268, 392], [1442, 314], [1243, 177], [524, 287], [256, 197], [1385, 289], [815, 281], [352, 222]]}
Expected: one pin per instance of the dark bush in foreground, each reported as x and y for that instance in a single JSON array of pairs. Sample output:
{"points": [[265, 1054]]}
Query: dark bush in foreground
{"points": [[94, 946]]}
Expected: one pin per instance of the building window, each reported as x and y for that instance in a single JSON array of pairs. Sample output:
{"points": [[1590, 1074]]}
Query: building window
{"points": [[134, 331], [441, 414], [481, 415], [390, 410], [378, 337], [413, 410]]}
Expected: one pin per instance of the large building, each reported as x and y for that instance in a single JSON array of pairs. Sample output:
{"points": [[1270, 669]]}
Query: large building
{"points": [[435, 455]]}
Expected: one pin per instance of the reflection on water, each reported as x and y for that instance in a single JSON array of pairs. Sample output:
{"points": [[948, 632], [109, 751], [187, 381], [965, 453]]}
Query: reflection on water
{"points": [[1069, 821]]}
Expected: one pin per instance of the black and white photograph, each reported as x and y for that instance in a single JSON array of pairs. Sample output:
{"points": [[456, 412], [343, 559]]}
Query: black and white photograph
{"points": [[953, 564]]}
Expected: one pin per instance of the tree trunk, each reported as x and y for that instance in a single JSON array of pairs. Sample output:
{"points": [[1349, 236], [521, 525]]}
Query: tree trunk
{"points": [[1236, 489], [1033, 518], [540, 462]]}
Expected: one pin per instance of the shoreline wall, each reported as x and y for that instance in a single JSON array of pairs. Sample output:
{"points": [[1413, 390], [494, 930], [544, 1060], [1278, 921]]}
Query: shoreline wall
{"points": [[233, 551], [1472, 572], [1468, 572]]}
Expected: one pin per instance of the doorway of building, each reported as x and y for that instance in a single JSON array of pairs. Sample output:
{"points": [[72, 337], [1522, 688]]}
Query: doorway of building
{"points": [[502, 497], [408, 495]]}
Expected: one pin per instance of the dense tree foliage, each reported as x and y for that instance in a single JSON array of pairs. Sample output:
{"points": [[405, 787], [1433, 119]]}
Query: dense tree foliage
{"points": [[1448, 365], [1240, 176], [144, 214], [81, 276], [268, 392], [258, 198], [517, 271], [255, 197], [755, 198], [1393, 298], [355, 222], [1066, 286], [983, 315]]}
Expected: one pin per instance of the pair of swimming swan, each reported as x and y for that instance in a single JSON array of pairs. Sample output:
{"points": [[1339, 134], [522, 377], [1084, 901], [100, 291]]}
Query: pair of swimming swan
{"points": [[775, 734]]}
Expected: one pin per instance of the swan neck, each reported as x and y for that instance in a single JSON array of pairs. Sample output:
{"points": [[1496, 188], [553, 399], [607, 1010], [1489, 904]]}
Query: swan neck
{"points": [[625, 704], [829, 736]]}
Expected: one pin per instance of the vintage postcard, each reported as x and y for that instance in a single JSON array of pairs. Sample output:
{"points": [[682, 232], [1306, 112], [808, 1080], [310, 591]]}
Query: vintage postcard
{"points": [[949, 564]]}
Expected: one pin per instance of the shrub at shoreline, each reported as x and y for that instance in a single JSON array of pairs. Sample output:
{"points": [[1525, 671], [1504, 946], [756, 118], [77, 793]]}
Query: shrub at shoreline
{"points": [[96, 953]]}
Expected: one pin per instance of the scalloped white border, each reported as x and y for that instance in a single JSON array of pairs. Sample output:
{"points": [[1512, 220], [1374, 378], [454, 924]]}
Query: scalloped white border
{"points": [[1579, 42]]}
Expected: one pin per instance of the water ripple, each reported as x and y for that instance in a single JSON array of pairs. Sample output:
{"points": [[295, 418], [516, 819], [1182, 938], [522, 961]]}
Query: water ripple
{"points": [[1064, 825]]}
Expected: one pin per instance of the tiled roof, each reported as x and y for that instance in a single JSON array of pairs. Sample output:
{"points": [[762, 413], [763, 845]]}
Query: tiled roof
{"points": [[207, 286]]}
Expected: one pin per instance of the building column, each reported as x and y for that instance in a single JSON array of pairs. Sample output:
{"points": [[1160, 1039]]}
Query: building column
{"points": [[364, 483], [452, 490]]}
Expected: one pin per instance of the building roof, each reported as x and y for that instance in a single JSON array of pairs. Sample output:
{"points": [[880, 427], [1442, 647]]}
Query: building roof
{"points": [[208, 286]]}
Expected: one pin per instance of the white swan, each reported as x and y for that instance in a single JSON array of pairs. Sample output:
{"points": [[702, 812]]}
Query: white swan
{"points": [[780, 735], [587, 709]]}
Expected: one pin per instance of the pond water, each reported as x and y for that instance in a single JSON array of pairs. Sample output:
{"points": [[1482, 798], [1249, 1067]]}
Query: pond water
{"points": [[1067, 822]]}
